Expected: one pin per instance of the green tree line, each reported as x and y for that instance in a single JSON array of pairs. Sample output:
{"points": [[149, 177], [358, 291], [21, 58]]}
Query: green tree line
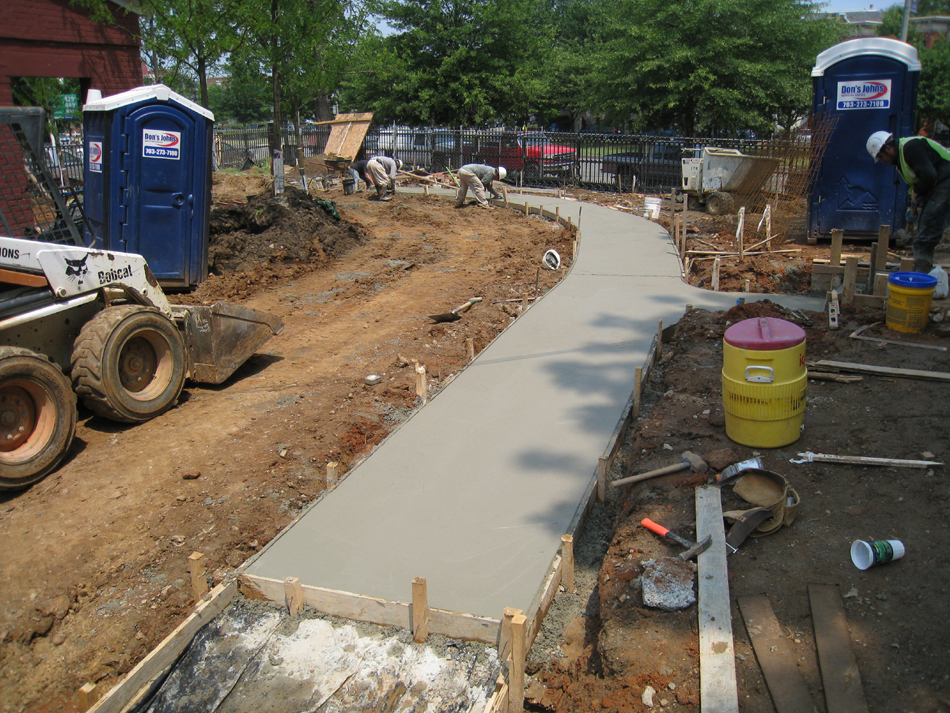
{"points": [[712, 67]]}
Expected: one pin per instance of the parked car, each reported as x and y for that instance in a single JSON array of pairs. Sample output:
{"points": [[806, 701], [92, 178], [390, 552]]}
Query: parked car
{"points": [[655, 165], [530, 153]]}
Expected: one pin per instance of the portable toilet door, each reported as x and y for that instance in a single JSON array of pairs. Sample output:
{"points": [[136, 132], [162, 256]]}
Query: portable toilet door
{"points": [[158, 182], [863, 86]]}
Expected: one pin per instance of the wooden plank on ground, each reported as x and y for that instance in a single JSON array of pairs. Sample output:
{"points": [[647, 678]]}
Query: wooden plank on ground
{"points": [[839, 669], [883, 370], [717, 664], [167, 652], [358, 607], [786, 685]]}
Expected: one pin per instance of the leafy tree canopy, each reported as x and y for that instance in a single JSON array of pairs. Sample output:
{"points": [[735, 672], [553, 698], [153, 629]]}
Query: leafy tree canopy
{"points": [[709, 66]]}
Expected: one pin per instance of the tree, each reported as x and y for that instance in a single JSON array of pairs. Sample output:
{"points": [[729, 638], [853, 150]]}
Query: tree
{"points": [[451, 62], [244, 96], [710, 66]]}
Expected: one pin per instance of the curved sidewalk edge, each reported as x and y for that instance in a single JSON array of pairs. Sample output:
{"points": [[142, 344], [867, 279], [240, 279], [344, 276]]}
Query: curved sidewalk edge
{"points": [[475, 491]]}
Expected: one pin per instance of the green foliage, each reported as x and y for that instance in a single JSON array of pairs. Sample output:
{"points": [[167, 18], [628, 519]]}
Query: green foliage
{"points": [[245, 96], [454, 62], [933, 91], [709, 66]]}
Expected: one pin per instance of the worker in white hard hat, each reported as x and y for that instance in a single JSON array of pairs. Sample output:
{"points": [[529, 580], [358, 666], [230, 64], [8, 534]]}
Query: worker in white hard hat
{"points": [[925, 167], [479, 178], [382, 170]]}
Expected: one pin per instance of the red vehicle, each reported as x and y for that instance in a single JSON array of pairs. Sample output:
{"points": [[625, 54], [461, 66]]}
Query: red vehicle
{"points": [[529, 152]]}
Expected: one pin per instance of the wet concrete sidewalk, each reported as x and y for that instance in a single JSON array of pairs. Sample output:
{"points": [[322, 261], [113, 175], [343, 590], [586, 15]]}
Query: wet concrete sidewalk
{"points": [[475, 490]]}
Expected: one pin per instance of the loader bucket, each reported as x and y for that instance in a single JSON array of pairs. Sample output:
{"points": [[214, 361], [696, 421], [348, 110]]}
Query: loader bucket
{"points": [[221, 337]]}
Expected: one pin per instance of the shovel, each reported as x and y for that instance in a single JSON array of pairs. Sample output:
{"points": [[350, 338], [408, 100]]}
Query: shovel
{"points": [[455, 313]]}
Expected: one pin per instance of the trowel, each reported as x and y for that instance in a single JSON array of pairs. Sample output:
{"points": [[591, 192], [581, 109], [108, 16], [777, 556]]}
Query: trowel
{"points": [[455, 313]]}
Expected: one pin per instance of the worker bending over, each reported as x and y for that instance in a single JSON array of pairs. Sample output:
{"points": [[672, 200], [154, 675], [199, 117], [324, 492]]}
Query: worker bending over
{"points": [[382, 170], [358, 173], [925, 167], [479, 178]]}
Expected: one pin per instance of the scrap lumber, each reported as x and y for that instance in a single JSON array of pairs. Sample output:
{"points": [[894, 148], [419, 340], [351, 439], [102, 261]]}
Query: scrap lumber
{"points": [[717, 666], [839, 669], [882, 370], [786, 685], [809, 457], [858, 334]]}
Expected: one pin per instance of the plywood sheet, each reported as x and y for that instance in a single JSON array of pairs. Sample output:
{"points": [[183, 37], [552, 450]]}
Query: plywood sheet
{"points": [[346, 134]]}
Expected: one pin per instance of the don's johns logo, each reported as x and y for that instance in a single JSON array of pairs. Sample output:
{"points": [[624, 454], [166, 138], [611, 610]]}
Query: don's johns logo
{"points": [[864, 94], [161, 144], [95, 156]]}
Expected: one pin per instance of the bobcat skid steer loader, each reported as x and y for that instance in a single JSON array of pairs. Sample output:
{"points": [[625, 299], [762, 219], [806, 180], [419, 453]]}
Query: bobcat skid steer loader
{"points": [[94, 323]]}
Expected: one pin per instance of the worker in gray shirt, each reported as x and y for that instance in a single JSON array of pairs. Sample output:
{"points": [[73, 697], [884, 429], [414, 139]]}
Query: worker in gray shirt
{"points": [[479, 178]]}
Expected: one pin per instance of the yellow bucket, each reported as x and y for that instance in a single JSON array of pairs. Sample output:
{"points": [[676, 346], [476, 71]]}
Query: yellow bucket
{"points": [[763, 382], [908, 300]]}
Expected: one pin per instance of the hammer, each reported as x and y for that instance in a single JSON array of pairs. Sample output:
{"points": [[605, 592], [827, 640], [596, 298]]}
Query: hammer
{"points": [[692, 548], [690, 460]]}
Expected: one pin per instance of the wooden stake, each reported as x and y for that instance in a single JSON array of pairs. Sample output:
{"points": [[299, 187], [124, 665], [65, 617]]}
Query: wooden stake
{"points": [[516, 672], [541, 211], [883, 244], [504, 192], [425, 188], [422, 386], [579, 210], [332, 471], [527, 209], [637, 389], [293, 595], [659, 342], [850, 280], [715, 274], [745, 286], [837, 237], [880, 284], [89, 695], [567, 555], [907, 264], [633, 185], [740, 232], [199, 583], [420, 610], [557, 214], [470, 348], [504, 637], [602, 479], [768, 226]]}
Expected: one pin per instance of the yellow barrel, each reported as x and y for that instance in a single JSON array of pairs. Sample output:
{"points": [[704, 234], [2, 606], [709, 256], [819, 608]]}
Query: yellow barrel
{"points": [[763, 382], [908, 300]]}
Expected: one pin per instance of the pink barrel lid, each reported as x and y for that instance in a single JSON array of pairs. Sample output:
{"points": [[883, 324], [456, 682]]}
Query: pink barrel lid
{"points": [[764, 334]]}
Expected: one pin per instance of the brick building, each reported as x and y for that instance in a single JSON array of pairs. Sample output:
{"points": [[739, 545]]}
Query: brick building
{"points": [[51, 38]]}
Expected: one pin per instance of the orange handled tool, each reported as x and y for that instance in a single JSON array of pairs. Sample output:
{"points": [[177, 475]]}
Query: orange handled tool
{"points": [[692, 548]]}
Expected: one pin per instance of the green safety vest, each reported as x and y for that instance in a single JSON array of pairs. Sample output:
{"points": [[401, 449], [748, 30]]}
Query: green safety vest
{"points": [[907, 174]]}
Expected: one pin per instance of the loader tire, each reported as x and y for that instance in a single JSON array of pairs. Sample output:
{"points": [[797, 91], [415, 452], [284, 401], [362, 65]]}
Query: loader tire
{"points": [[719, 203], [128, 363], [37, 417]]}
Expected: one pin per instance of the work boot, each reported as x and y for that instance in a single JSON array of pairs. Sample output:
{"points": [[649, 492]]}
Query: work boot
{"points": [[923, 259]]}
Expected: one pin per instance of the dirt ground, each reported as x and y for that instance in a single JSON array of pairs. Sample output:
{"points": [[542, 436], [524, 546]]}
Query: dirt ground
{"points": [[95, 570]]}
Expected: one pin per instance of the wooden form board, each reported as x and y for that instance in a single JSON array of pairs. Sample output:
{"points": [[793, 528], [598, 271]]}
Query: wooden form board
{"points": [[358, 607], [786, 685], [882, 370], [718, 692], [167, 652], [839, 669], [347, 132]]}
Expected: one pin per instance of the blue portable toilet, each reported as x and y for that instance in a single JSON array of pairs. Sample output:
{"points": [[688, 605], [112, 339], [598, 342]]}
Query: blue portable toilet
{"points": [[148, 180], [865, 85]]}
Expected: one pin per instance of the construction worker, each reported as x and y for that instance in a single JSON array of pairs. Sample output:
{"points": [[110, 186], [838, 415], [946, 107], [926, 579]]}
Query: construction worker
{"points": [[358, 173], [382, 170], [925, 167], [479, 178]]}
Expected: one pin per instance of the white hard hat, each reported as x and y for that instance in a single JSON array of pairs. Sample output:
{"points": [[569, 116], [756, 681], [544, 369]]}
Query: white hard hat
{"points": [[876, 142], [398, 164], [502, 173]]}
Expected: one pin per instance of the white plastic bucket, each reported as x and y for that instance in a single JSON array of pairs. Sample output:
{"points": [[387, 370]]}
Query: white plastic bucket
{"points": [[651, 208]]}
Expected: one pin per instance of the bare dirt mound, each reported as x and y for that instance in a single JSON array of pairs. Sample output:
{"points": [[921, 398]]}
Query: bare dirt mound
{"points": [[255, 244]]}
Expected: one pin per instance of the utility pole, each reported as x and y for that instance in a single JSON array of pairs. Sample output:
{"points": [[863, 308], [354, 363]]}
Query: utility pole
{"points": [[906, 20]]}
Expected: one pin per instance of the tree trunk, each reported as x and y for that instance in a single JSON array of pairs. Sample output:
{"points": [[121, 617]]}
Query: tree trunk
{"points": [[322, 110], [203, 80]]}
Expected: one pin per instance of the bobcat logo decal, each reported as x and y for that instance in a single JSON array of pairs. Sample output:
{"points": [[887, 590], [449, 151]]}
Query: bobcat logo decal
{"points": [[76, 269]]}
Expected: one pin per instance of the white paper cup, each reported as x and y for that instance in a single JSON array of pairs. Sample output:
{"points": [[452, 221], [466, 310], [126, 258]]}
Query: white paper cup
{"points": [[866, 554]]}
